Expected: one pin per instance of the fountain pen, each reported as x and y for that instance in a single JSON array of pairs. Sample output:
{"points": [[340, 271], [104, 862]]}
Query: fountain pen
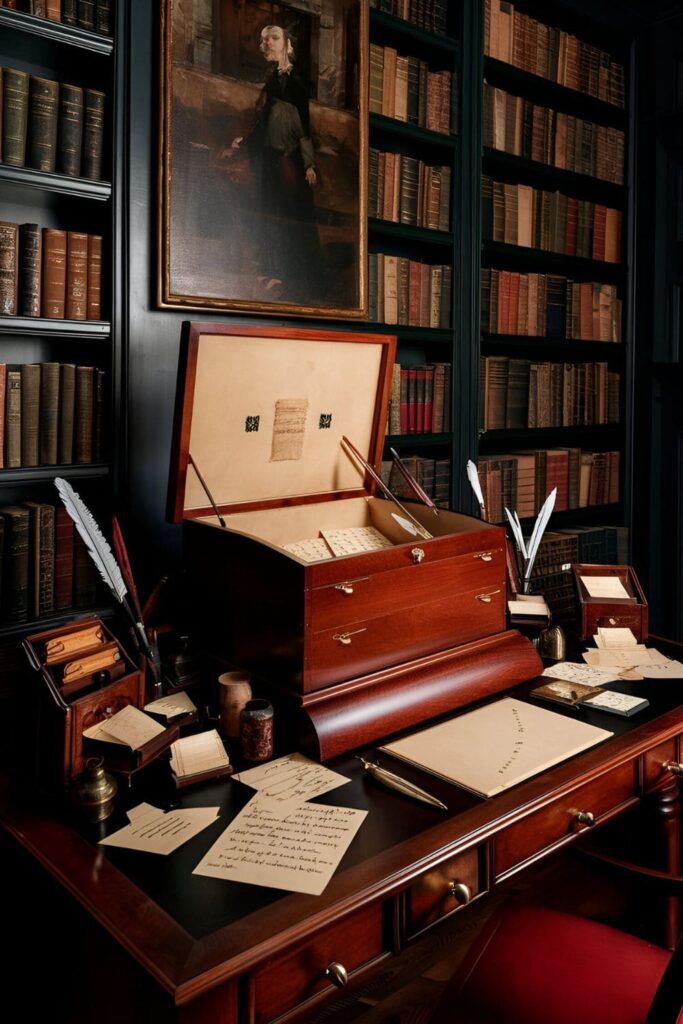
{"points": [[393, 781]]}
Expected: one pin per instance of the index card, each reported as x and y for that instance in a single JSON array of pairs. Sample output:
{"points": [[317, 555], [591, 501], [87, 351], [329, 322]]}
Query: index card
{"points": [[193, 755], [293, 778]]}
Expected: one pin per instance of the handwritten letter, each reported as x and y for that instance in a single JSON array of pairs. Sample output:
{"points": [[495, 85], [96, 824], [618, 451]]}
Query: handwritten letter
{"points": [[288, 847], [291, 779]]}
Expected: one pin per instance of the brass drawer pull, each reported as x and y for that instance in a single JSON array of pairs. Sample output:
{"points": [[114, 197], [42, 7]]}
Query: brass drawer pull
{"points": [[484, 556], [487, 598], [586, 818], [417, 555], [337, 974], [344, 588], [345, 638], [675, 767], [460, 892]]}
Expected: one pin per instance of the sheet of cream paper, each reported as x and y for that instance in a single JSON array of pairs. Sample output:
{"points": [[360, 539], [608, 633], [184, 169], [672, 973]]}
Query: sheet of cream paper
{"points": [[152, 830], [354, 539], [536, 607], [616, 636], [129, 727], [291, 779], [574, 673], [314, 550], [173, 705], [604, 586], [283, 846], [192, 755], [666, 670], [615, 701], [624, 657]]}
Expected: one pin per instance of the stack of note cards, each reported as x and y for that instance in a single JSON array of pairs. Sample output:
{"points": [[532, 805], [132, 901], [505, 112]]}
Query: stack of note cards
{"points": [[351, 540], [172, 706], [618, 649], [128, 728], [199, 757]]}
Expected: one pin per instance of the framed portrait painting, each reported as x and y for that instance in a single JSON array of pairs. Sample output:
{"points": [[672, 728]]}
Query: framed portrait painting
{"points": [[263, 156]]}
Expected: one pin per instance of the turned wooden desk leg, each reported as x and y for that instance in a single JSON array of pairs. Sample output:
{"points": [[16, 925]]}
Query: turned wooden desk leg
{"points": [[668, 809]]}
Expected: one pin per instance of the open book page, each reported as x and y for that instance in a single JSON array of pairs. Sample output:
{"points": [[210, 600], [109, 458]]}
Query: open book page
{"points": [[496, 746], [293, 778], [311, 841]]}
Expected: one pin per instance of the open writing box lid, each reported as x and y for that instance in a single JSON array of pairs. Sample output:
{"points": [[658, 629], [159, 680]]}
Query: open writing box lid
{"points": [[262, 411]]}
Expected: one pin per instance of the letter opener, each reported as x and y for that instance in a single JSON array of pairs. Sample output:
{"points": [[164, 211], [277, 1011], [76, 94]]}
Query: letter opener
{"points": [[400, 784]]}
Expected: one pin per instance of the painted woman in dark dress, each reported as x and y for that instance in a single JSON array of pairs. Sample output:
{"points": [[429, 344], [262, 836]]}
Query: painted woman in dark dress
{"points": [[282, 153]]}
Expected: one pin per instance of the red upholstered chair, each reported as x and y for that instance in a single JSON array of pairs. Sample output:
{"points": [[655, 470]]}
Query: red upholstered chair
{"points": [[535, 966]]}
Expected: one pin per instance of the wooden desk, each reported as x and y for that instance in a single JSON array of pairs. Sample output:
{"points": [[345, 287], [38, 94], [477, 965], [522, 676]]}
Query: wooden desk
{"points": [[193, 949]]}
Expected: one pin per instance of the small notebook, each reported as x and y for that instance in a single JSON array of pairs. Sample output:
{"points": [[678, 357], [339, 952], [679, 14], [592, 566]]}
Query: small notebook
{"points": [[496, 746]]}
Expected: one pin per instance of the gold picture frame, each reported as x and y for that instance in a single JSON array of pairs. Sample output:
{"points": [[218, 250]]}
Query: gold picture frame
{"points": [[263, 157]]}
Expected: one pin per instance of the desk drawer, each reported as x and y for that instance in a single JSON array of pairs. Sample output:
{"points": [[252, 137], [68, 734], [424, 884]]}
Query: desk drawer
{"points": [[441, 892], [557, 822], [400, 589], [295, 979]]}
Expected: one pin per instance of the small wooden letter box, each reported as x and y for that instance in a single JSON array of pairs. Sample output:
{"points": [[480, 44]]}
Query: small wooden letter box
{"points": [[261, 412], [627, 611]]}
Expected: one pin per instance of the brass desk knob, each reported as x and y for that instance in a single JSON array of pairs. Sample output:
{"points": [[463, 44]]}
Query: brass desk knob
{"points": [[675, 767], [584, 818], [417, 555], [337, 974], [484, 556], [344, 588], [460, 892], [487, 598]]}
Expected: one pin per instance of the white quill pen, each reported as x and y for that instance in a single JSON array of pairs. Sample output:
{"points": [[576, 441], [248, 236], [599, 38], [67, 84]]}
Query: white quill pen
{"points": [[515, 526], [105, 563], [473, 477], [538, 531]]}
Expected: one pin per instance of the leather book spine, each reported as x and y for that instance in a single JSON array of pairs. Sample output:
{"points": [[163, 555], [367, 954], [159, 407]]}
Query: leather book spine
{"points": [[38, 7], [14, 116], [42, 127], [70, 12], [93, 134], [54, 273], [103, 17], [49, 413], [70, 140], [76, 275], [86, 14], [12, 411], [30, 414], [15, 579], [54, 9], [67, 399], [46, 560], [30, 269], [94, 277], [11, 5], [98, 415], [64, 559], [83, 415], [9, 242]]}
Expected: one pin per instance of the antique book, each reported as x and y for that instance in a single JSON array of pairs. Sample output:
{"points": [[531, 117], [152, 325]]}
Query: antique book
{"points": [[83, 415], [86, 15], [67, 398], [94, 277], [30, 269], [103, 17], [497, 745], [70, 12], [64, 559], [14, 116], [15, 563], [49, 413], [54, 10], [9, 256], [70, 136], [42, 126], [13, 418], [54, 273], [30, 414], [98, 415], [93, 134], [76, 275], [41, 558]]}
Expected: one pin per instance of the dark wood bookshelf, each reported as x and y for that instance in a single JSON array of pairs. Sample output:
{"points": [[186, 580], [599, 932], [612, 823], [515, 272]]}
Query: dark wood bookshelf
{"points": [[423, 335], [93, 330], [27, 475], [547, 93], [410, 233], [61, 184], [20, 629], [564, 349], [419, 440], [392, 28], [515, 257], [504, 166], [589, 515], [391, 127], [55, 31]]}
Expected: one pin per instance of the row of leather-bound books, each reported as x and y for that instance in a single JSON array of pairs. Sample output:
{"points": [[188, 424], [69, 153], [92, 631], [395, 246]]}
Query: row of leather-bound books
{"points": [[433, 476], [406, 190], [549, 305], [409, 292], [420, 399], [51, 414], [45, 567], [49, 272], [93, 15], [522, 480], [553, 221], [406, 89], [529, 44], [521, 393], [518, 126], [427, 14], [51, 126]]}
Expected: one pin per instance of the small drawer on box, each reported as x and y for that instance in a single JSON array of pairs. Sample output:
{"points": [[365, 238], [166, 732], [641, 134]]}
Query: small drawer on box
{"points": [[314, 969], [440, 892], [356, 648], [396, 590], [564, 819]]}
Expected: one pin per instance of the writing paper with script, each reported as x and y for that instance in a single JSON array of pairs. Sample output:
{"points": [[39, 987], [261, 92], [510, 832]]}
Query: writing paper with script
{"points": [[283, 846], [129, 727], [152, 830], [615, 636], [575, 673], [293, 778], [352, 540], [314, 550], [496, 746]]}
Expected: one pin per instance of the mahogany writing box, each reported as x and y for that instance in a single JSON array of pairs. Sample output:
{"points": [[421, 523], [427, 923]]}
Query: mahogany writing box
{"points": [[261, 412], [630, 611]]}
